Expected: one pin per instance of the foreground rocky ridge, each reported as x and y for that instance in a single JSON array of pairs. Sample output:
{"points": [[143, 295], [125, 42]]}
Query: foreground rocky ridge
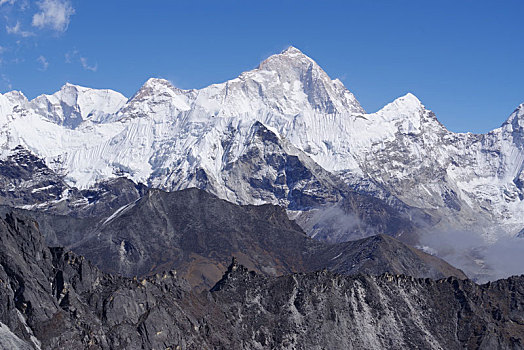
{"points": [[54, 299], [365, 312]]}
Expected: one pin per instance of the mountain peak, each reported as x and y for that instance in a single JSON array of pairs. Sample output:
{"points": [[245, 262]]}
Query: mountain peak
{"points": [[69, 87], [154, 86], [156, 92], [15, 95], [69, 90], [406, 102], [516, 119], [73, 104], [405, 106], [410, 99], [290, 58], [157, 81], [291, 50], [157, 84], [301, 75], [68, 84]]}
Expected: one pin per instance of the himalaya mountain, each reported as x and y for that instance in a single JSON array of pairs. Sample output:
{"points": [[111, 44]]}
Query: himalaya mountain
{"points": [[284, 133]]}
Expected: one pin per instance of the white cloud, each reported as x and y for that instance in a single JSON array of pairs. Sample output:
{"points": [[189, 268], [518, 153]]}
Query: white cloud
{"points": [[86, 66], [17, 30], [10, 2], [54, 14], [43, 61]]}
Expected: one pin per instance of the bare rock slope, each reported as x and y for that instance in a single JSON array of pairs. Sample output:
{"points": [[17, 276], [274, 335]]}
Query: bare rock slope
{"points": [[54, 299]]}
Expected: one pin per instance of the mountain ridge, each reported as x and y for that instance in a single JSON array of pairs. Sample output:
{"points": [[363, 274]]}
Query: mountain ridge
{"points": [[196, 233], [55, 299], [289, 51], [173, 139]]}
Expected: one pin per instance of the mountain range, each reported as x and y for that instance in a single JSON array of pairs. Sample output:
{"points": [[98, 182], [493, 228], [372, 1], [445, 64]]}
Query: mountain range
{"points": [[266, 212], [284, 133]]}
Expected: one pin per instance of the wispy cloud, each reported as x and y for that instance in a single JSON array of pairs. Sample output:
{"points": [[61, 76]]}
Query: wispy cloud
{"points": [[6, 82], [17, 60], [74, 56], [43, 61], [70, 56], [23, 4], [54, 14], [86, 65], [17, 30], [8, 2], [479, 258]]}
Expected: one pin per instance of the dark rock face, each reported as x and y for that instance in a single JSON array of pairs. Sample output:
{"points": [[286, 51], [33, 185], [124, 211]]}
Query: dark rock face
{"points": [[271, 170], [197, 234], [108, 196], [54, 299], [27, 182], [58, 300], [379, 254], [276, 172], [322, 310]]}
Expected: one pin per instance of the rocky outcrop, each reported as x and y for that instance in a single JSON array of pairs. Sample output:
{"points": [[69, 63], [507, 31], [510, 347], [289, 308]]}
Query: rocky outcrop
{"points": [[54, 299], [323, 310], [26, 182]]}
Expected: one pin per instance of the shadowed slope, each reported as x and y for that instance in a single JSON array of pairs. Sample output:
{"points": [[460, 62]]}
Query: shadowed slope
{"points": [[198, 233]]}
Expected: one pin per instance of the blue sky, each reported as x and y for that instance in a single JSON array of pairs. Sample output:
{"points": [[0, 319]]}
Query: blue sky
{"points": [[462, 59]]}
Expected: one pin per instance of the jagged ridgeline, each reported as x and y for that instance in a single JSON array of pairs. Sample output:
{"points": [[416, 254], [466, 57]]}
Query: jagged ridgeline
{"points": [[281, 134], [54, 299]]}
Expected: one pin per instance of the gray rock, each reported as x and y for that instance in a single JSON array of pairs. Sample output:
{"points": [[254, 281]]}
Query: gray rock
{"points": [[197, 233], [54, 299]]}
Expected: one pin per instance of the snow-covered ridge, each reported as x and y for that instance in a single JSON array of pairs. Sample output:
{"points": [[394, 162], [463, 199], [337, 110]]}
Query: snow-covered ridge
{"points": [[70, 106], [163, 136]]}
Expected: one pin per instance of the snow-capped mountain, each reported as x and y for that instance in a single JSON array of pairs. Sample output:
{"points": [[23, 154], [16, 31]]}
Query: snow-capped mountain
{"points": [[72, 105], [173, 139]]}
